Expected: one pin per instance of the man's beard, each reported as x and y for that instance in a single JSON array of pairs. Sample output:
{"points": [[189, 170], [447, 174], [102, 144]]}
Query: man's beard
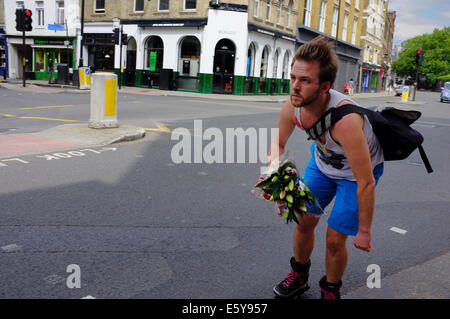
{"points": [[306, 101]]}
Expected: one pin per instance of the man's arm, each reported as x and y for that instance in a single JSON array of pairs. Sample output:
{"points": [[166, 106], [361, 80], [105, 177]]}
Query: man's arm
{"points": [[285, 126], [349, 133]]}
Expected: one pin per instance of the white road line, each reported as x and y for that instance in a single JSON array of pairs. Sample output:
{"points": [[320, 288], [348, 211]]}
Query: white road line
{"points": [[88, 297], [11, 248], [399, 230]]}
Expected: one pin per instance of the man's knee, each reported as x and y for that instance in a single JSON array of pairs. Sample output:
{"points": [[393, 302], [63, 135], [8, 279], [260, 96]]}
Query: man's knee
{"points": [[307, 224], [335, 242]]}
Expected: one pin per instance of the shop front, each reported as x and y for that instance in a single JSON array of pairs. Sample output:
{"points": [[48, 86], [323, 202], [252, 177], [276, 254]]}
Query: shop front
{"points": [[101, 51], [48, 54], [370, 76], [3, 56]]}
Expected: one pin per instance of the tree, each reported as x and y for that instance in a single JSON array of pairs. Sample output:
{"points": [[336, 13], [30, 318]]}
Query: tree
{"points": [[436, 56]]}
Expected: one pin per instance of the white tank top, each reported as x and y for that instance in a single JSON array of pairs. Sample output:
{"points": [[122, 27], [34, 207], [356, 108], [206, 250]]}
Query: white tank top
{"points": [[330, 157]]}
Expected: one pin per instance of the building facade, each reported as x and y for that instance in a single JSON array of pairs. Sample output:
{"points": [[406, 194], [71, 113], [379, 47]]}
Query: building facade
{"points": [[235, 46], [52, 41], [388, 39], [339, 20], [372, 74]]}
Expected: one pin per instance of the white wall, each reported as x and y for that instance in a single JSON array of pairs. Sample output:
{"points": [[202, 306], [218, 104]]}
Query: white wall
{"points": [[225, 25], [71, 13]]}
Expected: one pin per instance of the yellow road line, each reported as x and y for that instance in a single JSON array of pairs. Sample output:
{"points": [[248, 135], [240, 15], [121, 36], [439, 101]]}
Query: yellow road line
{"points": [[161, 128], [43, 107], [37, 118]]}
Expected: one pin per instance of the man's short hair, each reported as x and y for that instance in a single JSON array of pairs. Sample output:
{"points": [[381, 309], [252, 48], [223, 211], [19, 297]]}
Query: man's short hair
{"points": [[320, 49]]}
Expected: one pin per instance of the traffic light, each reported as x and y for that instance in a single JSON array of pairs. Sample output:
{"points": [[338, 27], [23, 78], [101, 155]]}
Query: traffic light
{"points": [[19, 20], [124, 39], [116, 35], [27, 21], [419, 57]]}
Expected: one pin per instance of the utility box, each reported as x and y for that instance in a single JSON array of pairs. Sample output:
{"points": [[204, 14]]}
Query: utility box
{"points": [[103, 101]]}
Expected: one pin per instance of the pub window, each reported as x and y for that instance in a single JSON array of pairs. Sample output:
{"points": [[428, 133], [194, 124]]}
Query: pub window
{"points": [[99, 6], [40, 13], [59, 12], [190, 4], [138, 5], [163, 5]]}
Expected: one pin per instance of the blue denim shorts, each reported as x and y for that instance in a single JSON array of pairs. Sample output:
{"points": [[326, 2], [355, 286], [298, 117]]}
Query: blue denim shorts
{"points": [[344, 216]]}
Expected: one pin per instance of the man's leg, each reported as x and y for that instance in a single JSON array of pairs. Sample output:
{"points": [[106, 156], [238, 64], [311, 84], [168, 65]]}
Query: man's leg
{"points": [[304, 238], [336, 255]]}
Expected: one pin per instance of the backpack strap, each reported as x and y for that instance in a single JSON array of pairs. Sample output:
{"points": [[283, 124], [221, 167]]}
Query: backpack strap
{"points": [[331, 116], [425, 160]]}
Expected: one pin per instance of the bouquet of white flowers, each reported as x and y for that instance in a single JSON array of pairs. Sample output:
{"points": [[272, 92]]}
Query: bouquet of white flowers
{"points": [[288, 190]]}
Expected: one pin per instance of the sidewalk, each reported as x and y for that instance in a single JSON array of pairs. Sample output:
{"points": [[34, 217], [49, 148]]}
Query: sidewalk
{"points": [[68, 136], [17, 84]]}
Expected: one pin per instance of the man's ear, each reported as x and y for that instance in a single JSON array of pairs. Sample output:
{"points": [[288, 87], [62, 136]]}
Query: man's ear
{"points": [[325, 86]]}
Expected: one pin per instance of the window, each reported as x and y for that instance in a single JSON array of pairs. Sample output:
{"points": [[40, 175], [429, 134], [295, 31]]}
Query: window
{"points": [[59, 12], [334, 22], [357, 4], [355, 25], [344, 27], [138, 5], [40, 13], [190, 4], [163, 5], [288, 16], [19, 5], [99, 6], [256, 9], [322, 15], [268, 9], [307, 14], [279, 13]]}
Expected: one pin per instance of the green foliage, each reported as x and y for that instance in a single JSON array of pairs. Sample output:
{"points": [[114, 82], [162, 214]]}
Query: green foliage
{"points": [[445, 78], [436, 56]]}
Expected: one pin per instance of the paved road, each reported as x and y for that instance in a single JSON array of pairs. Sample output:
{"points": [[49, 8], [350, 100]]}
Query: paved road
{"points": [[140, 226]]}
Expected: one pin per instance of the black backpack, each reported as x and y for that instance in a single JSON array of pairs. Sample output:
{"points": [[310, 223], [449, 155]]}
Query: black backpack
{"points": [[390, 125]]}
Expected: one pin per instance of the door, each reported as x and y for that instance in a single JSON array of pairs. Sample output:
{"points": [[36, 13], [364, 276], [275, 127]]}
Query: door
{"points": [[223, 68]]}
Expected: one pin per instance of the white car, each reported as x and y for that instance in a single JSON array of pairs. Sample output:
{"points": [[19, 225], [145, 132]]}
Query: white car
{"points": [[398, 90]]}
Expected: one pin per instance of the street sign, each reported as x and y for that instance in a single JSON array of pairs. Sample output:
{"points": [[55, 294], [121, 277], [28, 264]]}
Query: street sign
{"points": [[405, 94], [56, 27]]}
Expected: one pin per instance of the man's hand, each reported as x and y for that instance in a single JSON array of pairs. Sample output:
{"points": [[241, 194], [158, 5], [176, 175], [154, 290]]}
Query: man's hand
{"points": [[362, 241]]}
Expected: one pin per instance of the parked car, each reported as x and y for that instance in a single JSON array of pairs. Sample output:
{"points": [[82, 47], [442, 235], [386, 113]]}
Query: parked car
{"points": [[398, 90], [445, 92]]}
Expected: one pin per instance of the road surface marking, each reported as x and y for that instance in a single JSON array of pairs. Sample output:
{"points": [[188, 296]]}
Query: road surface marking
{"points": [[161, 128], [399, 230], [43, 107], [11, 248], [37, 118], [88, 297]]}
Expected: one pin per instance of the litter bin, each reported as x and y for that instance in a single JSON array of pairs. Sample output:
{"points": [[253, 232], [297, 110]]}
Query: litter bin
{"points": [[166, 79], [63, 74]]}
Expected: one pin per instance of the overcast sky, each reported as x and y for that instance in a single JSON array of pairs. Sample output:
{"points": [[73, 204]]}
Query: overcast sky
{"points": [[415, 17]]}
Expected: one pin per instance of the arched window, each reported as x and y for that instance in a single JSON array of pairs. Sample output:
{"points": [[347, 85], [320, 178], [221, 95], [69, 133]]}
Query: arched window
{"points": [[285, 74], [275, 64], [154, 54], [189, 61], [264, 62], [251, 60]]}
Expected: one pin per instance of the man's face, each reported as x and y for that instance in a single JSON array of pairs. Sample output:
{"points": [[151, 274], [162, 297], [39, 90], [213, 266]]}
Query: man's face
{"points": [[305, 85]]}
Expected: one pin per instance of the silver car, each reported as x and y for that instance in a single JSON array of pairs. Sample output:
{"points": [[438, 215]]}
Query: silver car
{"points": [[445, 92]]}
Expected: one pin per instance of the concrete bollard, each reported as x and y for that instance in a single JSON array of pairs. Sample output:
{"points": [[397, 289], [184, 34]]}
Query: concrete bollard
{"points": [[103, 100]]}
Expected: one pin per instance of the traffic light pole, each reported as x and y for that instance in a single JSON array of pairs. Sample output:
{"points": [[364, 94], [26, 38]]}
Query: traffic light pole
{"points": [[23, 56], [120, 70]]}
